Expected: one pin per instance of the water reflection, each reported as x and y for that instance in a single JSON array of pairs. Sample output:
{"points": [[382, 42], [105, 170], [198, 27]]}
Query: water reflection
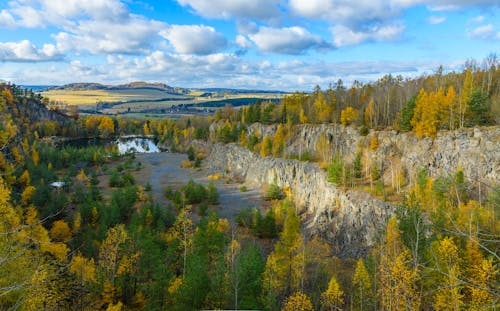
{"points": [[136, 145]]}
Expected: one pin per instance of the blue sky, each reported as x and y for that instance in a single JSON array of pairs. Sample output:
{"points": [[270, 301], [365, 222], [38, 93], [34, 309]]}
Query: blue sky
{"points": [[265, 44]]}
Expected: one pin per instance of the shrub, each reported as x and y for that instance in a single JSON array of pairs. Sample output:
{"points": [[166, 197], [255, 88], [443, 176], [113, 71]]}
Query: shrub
{"points": [[243, 189], [274, 193]]}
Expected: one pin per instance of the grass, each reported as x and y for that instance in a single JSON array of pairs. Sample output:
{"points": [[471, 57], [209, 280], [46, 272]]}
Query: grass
{"points": [[91, 97]]}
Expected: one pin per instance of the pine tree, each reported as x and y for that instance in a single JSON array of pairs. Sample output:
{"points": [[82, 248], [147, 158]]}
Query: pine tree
{"points": [[362, 284], [332, 297]]}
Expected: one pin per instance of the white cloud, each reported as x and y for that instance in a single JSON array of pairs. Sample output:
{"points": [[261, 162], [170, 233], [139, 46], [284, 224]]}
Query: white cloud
{"points": [[450, 5], [344, 36], [194, 39], [6, 19], [243, 42], [25, 51], [485, 32], [132, 36], [289, 40], [434, 20], [477, 19], [257, 9]]}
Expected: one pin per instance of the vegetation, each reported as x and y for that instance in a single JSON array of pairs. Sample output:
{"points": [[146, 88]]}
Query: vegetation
{"points": [[87, 246]]}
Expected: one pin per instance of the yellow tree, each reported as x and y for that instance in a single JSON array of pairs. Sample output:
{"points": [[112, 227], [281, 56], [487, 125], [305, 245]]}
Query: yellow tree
{"points": [[106, 127], [370, 113], [449, 295], [466, 94], [266, 146], [298, 302], [60, 231], [279, 142], [348, 116], [362, 284], [397, 288], [109, 252], [182, 231], [332, 298], [285, 265], [322, 109], [481, 273]]}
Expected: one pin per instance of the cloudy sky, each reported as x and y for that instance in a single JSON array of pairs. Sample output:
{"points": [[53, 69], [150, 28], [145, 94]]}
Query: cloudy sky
{"points": [[265, 44]]}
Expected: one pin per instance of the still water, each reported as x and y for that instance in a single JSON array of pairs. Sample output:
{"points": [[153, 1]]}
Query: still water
{"points": [[126, 144]]}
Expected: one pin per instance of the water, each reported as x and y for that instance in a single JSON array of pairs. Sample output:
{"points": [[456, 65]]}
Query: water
{"points": [[136, 145], [126, 144]]}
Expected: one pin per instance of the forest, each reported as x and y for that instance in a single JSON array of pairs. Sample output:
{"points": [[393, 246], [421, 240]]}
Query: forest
{"points": [[75, 248]]}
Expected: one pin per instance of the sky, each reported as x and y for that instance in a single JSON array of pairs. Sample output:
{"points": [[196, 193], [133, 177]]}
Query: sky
{"points": [[283, 45]]}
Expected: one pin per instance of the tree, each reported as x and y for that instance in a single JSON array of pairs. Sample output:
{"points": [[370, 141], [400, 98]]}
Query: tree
{"points": [[397, 280], [182, 231], [110, 251], [285, 265], [362, 283], [348, 116], [278, 143], [332, 297], [298, 302], [106, 127], [60, 231], [266, 146]]}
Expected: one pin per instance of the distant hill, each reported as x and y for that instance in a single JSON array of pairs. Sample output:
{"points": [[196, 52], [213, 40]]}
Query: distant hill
{"points": [[82, 86], [240, 91]]}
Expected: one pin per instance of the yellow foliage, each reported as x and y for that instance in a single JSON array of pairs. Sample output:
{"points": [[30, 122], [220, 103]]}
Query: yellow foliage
{"points": [[174, 285], [109, 252], [348, 115], [81, 177], [214, 177], [115, 307], [60, 231], [333, 298], [77, 221], [266, 147], [58, 250], [361, 281], [27, 195], [24, 179], [298, 301], [84, 268], [374, 142]]}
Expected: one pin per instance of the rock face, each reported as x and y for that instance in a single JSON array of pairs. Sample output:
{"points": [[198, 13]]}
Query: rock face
{"points": [[350, 220], [475, 150]]}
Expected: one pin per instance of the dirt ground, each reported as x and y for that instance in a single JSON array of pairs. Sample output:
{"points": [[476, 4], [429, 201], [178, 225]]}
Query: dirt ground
{"points": [[164, 169]]}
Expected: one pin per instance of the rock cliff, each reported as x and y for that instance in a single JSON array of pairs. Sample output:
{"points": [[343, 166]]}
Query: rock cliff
{"points": [[350, 220]]}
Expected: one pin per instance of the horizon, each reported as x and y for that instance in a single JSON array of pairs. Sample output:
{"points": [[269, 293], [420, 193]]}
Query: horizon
{"points": [[285, 45]]}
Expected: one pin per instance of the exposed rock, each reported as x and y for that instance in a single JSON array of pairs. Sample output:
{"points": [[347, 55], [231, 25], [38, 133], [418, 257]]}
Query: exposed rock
{"points": [[350, 220]]}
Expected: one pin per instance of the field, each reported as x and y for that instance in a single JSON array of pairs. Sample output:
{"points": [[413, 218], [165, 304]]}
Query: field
{"points": [[92, 97], [148, 100]]}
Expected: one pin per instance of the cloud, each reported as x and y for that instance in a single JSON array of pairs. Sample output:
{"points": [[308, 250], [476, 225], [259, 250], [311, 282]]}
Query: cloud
{"points": [[25, 51], [133, 35], [224, 9], [451, 5], [6, 19], [194, 39], [477, 19], [288, 40], [242, 42], [434, 20], [344, 36], [485, 32]]}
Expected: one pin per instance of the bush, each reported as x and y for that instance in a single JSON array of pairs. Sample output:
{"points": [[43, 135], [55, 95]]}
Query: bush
{"points": [[336, 170], [212, 196], [274, 193], [243, 189]]}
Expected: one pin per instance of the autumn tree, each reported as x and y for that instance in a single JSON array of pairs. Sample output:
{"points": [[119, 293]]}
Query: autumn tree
{"points": [[397, 279], [298, 301], [348, 116], [332, 297], [362, 284], [284, 266]]}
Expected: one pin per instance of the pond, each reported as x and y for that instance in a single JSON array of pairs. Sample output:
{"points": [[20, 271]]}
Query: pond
{"points": [[125, 144]]}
